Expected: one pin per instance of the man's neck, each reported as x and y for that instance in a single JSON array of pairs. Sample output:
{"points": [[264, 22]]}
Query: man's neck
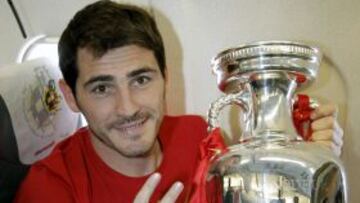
{"points": [[129, 166]]}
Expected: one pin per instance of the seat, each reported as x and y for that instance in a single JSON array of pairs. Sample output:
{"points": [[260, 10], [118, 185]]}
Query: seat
{"points": [[33, 118], [12, 171]]}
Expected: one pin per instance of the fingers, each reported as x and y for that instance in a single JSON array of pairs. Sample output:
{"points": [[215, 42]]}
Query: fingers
{"points": [[323, 123], [336, 149], [328, 135], [173, 193], [323, 111], [328, 132], [326, 129], [148, 188]]}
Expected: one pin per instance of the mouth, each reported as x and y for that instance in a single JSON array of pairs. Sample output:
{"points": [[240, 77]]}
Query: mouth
{"points": [[132, 128]]}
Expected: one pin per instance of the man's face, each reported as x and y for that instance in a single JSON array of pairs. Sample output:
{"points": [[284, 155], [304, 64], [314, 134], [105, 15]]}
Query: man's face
{"points": [[122, 96]]}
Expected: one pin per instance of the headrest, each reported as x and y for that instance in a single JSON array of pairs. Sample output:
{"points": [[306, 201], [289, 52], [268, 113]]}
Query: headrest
{"points": [[33, 113]]}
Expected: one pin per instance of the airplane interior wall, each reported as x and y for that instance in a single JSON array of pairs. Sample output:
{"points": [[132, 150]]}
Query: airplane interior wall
{"points": [[195, 31], [10, 36]]}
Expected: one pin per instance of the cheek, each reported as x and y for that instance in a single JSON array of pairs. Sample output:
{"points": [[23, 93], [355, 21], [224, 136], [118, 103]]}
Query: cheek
{"points": [[95, 111], [153, 97], [157, 102]]}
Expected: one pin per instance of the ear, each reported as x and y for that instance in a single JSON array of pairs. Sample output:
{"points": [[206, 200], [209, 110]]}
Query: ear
{"points": [[69, 96]]}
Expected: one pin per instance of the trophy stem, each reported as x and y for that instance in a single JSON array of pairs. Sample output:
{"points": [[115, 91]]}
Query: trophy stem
{"points": [[272, 105]]}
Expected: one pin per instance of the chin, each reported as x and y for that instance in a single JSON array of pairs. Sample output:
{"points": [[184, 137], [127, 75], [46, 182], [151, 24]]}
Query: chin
{"points": [[136, 153], [138, 150]]}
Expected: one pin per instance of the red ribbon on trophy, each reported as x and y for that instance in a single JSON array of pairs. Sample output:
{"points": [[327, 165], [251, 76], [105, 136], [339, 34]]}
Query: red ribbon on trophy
{"points": [[211, 146], [301, 116]]}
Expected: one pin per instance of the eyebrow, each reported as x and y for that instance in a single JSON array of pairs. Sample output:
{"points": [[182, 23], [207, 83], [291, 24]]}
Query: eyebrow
{"points": [[100, 78], [109, 78], [140, 71]]}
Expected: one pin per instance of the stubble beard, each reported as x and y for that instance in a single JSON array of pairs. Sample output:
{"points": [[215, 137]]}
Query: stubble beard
{"points": [[146, 149]]}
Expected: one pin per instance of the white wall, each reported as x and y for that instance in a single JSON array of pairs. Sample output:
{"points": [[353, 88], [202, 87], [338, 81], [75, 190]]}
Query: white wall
{"points": [[194, 31]]}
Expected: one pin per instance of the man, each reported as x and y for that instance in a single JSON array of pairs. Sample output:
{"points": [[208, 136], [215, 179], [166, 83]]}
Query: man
{"points": [[113, 63]]}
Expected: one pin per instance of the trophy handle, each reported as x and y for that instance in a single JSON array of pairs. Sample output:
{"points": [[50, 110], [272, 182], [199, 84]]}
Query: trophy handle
{"points": [[243, 98]]}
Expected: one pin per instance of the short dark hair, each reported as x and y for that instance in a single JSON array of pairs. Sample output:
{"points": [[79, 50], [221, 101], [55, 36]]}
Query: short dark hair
{"points": [[105, 25]]}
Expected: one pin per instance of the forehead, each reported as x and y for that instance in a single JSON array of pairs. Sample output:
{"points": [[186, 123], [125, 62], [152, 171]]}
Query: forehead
{"points": [[123, 59]]}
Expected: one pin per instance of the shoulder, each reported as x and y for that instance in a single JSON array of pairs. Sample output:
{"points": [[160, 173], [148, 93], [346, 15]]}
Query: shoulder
{"points": [[49, 179], [52, 175], [43, 185], [63, 150]]}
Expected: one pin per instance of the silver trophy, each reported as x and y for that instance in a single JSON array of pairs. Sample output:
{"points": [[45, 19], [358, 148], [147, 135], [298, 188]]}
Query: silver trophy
{"points": [[271, 164]]}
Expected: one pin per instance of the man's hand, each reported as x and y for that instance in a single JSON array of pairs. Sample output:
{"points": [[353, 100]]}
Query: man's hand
{"points": [[326, 129], [148, 188]]}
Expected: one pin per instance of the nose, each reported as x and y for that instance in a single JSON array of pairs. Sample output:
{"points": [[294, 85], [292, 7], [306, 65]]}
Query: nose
{"points": [[126, 104]]}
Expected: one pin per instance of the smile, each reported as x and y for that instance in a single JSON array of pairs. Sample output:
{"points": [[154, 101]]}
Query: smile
{"points": [[134, 127]]}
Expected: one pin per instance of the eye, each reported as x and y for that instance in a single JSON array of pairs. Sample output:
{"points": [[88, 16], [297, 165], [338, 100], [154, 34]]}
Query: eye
{"points": [[101, 89], [141, 81]]}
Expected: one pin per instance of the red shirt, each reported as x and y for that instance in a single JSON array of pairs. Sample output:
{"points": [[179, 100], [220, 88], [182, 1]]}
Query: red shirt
{"points": [[75, 173]]}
